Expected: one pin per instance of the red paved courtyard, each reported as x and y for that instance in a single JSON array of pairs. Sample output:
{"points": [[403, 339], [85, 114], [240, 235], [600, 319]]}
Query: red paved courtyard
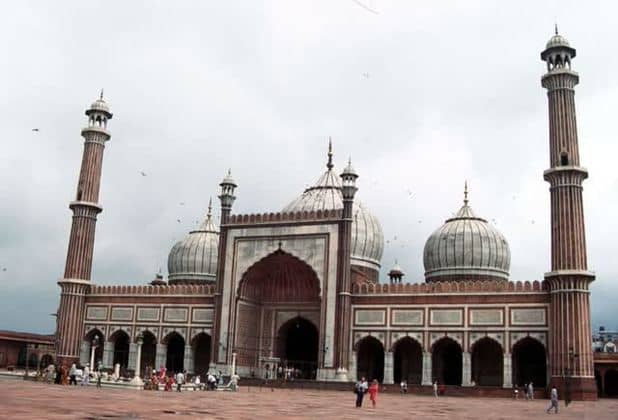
{"points": [[29, 400]]}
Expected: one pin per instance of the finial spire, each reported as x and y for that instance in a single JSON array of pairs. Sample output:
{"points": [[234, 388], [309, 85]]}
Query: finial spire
{"points": [[556, 28], [210, 207], [101, 95], [330, 165], [465, 193]]}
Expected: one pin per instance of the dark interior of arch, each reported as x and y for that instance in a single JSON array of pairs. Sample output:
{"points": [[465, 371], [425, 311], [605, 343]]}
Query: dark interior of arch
{"points": [[408, 362], [298, 346], [370, 360], [446, 361], [149, 351], [487, 363], [611, 383], [280, 277], [175, 353], [529, 363], [98, 351], [121, 349], [201, 354]]}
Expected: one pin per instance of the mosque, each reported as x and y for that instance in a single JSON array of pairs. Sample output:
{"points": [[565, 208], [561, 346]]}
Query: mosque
{"points": [[300, 287]]}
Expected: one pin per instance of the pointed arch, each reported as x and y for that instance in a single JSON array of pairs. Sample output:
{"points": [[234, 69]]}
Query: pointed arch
{"points": [[487, 356], [370, 359], [447, 361], [408, 360]]}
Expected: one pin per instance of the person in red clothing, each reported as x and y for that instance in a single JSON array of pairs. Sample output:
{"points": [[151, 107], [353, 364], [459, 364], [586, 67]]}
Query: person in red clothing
{"points": [[373, 392]]}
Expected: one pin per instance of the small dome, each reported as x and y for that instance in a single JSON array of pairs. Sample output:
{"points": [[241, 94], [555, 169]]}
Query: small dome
{"points": [[557, 41], [367, 236], [466, 247], [99, 105], [228, 180], [194, 259]]}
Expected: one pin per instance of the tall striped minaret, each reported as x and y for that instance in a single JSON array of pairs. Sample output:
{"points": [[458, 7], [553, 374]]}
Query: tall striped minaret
{"points": [[570, 335], [76, 281]]}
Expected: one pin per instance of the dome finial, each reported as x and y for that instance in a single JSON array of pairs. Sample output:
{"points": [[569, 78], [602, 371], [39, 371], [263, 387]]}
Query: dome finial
{"points": [[210, 207], [465, 193], [101, 95], [330, 165], [556, 28]]}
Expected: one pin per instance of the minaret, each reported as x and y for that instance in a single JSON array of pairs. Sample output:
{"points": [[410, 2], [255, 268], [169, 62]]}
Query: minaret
{"points": [[76, 281], [570, 335], [219, 343], [342, 343]]}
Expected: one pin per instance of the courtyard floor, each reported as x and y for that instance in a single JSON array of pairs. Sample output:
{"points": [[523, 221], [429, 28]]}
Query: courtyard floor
{"points": [[30, 400]]}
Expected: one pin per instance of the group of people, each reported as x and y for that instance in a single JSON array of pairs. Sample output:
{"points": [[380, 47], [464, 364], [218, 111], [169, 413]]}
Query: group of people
{"points": [[528, 391], [177, 380], [362, 387], [61, 375]]}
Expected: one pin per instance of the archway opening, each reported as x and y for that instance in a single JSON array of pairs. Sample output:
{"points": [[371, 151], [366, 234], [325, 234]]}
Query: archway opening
{"points": [[446, 361], [529, 362], [408, 363], [98, 351], [370, 359], [121, 349], [297, 344], [611, 383], [149, 352], [487, 363], [201, 353], [46, 360], [175, 353]]}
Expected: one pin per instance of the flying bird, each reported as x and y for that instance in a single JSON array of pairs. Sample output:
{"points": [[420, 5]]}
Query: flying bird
{"points": [[142, 173], [35, 129], [367, 8], [366, 75], [4, 269], [178, 220], [182, 203]]}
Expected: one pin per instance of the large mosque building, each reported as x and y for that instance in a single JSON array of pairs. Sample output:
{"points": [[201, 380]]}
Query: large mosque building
{"points": [[300, 287]]}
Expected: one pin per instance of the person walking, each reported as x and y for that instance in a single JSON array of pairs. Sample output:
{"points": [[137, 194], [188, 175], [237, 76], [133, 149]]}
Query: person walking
{"points": [[530, 391], [403, 387], [86, 375], [373, 393], [72, 374], [180, 379], [553, 400], [435, 389], [234, 381], [360, 389]]}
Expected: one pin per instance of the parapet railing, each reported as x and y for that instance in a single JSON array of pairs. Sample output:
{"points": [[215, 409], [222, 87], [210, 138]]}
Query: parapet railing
{"points": [[143, 289], [488, 286], [282, 217]]}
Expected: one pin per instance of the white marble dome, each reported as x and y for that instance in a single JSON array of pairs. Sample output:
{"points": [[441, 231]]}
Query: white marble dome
{"points": [[466, 247], [367, 236], [194, 259]]}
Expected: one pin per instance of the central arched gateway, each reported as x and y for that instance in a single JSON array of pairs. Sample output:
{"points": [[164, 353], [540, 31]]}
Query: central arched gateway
{"points": [[277, 317], [370, 359], [297, 347]]}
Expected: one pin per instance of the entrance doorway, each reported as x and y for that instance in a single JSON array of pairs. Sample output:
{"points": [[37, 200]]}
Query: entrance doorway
{"points": [[149, 351], [121, 349], [175, 353], [487, 363], [370, 359], [201, 354], [529, 363], [408, 361], [446, 362], [298, 347]]}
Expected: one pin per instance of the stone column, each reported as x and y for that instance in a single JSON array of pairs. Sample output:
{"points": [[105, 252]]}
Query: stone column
{"points": [[137, 380], [466, 369], [92, 350], [161, 356], [108, 354], [427, 379], [84, 355], [132, 354], [188, 359], [507, 375], [388, 367], [233, 363], [353, 373]]}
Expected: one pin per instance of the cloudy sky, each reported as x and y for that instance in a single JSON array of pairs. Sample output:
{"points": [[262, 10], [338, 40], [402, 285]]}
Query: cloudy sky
{"points": [[421, 94]]}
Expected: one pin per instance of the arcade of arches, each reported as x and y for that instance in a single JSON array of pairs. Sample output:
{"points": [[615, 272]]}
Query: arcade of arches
{"points": [[448, 364], [283, 293]]}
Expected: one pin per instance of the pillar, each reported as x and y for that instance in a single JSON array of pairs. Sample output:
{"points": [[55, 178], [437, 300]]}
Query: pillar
{"points": [[188, 359], [388, 367], [108, 354], [132, 355], [353, 373], [161, 356], [466, 369], [507, 379], [84, 355], [137, 380], [427, 374]]}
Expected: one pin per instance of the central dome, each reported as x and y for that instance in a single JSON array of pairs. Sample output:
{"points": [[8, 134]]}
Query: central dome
{"points": [[325, 194], [466, 247]]}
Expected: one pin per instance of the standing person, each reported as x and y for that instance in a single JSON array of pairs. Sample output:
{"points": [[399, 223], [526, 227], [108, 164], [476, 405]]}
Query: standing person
{"points": [[99, 372], [58, 378], [553, 400], [180, 379], [373, 393], [64, 372], [530, 391], [403, 387], [234, 381], [360, 389], [86, 375], [435, 388], [72, 373]]}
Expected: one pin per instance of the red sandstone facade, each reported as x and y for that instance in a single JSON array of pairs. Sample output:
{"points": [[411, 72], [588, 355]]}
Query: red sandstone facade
{"points": [[293, 290]]}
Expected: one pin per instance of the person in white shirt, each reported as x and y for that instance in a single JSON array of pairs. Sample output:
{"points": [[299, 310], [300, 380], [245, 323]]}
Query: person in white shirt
{"points": [[234, 381], [553, 400], [86, 375], [180, 379]]}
